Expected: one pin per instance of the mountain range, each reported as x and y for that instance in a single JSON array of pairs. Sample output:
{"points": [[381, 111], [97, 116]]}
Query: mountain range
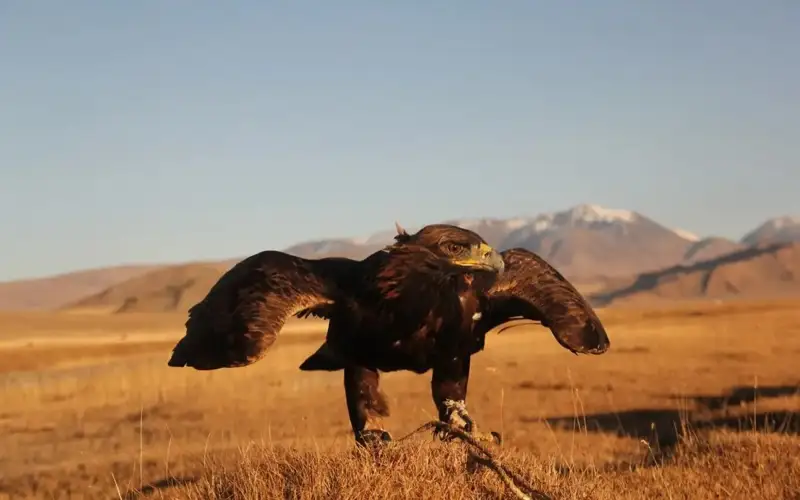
{"points": [[598, 248], [585, 242]]}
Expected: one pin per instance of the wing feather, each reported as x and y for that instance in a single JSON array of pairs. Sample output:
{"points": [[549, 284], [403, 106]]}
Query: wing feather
{"points": [[530, 288], [242, 314]]}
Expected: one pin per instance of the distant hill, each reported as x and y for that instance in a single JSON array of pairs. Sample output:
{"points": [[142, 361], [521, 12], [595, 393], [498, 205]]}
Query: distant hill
{"points": [[592, 245], [710, 248], [778, 230], [771, 270], [169, 289], [56, 291]]}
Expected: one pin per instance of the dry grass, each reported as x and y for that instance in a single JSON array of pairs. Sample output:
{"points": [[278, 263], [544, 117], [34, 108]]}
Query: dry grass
{"points": [[110, 419], [721, 466]]}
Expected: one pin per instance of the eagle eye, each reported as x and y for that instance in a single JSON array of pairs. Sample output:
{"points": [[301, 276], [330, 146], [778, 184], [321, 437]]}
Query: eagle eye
{"points": [[455, 248]]}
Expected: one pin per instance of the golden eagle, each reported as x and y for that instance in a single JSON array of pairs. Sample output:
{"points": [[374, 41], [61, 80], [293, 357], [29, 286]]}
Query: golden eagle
{"points": [[423, 303]]}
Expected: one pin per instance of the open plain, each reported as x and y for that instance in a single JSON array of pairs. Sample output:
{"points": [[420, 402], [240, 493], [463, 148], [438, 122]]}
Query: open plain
{"points": [[696, 401]]}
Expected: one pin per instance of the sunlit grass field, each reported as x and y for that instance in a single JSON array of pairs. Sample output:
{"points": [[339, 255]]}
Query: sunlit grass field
{"points": [[696, 401]]}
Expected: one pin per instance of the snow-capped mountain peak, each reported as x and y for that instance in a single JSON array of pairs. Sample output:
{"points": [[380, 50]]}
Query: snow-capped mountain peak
{"points": [[782, 222], [778, 229], [517, 223], [686, 235], [581, 215], [596, 213], [509, 224]]}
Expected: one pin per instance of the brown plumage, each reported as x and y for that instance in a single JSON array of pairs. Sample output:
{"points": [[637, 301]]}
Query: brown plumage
{"points": [[423, 303], [532, 289], [242, 314]]}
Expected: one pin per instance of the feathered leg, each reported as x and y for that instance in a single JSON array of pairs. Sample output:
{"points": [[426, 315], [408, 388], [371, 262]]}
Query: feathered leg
{"points": [[366, 405], [449, 390]]}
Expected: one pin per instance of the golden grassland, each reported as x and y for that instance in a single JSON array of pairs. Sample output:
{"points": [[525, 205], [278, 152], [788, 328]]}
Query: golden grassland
{"points": [[696, 401]]}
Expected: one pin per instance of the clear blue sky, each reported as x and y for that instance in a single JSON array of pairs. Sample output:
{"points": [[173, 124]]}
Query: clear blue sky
{"points": [[151, 130]]}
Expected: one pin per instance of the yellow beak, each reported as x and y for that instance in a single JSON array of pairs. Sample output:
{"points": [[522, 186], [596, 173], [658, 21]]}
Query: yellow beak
{"points": [[483, 257]]}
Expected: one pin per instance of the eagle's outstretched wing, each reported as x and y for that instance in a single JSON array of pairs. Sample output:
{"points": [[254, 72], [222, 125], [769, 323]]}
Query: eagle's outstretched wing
{"points": [[241, 316], [530, 288]]}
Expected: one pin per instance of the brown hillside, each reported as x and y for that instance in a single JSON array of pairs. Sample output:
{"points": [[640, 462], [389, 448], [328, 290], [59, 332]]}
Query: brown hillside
{"points": [[56, 291], [710, 248], [615, 251], [757, 272], [170, 289]]}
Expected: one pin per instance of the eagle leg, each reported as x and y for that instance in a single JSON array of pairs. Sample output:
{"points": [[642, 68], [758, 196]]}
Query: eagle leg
{"points": [[366, 405], [449, 390]]}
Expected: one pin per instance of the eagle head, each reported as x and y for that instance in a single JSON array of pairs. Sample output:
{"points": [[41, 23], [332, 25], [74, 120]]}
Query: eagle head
{"points": [[463, 250]]}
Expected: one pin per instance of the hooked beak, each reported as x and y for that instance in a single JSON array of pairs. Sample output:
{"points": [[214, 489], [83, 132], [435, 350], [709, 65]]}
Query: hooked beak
{"points": [[485, 258]]}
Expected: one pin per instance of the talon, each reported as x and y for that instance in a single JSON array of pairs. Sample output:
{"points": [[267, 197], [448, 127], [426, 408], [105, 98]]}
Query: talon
{"points": [[373, 437], [442, 434], [469, 424], [498, 439]]}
